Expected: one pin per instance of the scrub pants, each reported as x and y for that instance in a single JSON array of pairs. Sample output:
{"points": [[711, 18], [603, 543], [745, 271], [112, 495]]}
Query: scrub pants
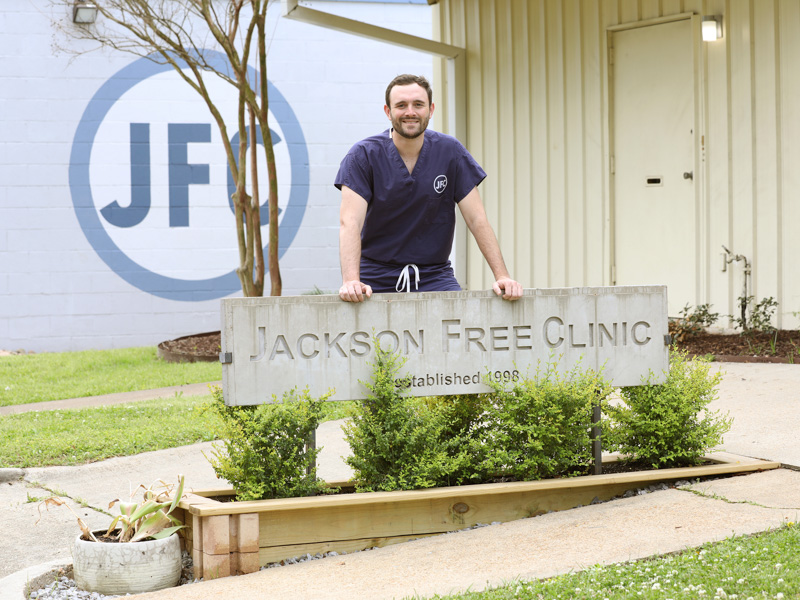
{"points": [[388, 278]]}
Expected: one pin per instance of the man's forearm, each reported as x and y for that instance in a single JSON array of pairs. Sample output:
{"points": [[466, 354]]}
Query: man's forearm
{"points": [[351, 222], [475, 218], [490, 248], [350, 253]]}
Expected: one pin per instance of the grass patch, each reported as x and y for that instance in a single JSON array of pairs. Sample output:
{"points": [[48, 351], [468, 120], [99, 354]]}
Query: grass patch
{"points": [[74, 437], [340, 409], [28, 378], [759, 566]]}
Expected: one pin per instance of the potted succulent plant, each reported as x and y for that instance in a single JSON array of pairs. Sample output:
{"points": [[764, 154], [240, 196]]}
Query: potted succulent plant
{"points": [[140, 552]]}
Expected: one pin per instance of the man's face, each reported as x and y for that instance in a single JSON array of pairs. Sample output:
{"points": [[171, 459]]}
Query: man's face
{"points": [[409, 110]]}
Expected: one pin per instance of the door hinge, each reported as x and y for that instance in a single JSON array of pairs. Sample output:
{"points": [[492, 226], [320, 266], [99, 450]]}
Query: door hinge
{"points": [[613, 274]]}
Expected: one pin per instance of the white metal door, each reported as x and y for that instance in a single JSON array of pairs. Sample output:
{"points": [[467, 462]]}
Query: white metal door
{"points": [[653, 158]]}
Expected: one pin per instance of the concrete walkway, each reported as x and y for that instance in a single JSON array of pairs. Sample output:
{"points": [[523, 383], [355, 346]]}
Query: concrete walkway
{"points": [[191, 389], [763, 399]]}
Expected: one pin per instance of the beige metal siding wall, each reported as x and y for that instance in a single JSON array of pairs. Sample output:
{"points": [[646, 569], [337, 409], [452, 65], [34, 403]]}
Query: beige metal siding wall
{"points": [[535, 123], [788, 149], [537, 119], [753, 154]]}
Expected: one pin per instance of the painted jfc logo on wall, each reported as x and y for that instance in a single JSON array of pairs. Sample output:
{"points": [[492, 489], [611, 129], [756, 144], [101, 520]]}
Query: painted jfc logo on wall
{"points": [[151, 187]]}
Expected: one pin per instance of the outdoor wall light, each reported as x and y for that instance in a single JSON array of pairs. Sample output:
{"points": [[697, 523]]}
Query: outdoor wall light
{"points": [[712, 28], [84, 12]]}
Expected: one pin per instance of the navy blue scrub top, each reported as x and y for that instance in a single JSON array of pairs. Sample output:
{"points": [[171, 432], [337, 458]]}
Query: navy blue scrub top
{"points": [[410, 216]]}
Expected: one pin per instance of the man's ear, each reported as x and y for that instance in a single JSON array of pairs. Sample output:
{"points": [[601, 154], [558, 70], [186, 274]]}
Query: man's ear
{"points": [[388, 111], [432, 107]]}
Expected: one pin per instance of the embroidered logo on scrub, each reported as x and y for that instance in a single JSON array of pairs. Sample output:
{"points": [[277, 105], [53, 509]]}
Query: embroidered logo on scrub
{"points": [[440, 183]]}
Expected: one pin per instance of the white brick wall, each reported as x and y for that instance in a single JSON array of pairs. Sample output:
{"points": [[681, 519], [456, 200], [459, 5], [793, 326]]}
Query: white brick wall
{"points": [[56, 292]]}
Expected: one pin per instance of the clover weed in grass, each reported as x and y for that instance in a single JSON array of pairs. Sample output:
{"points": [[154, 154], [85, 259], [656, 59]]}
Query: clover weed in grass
{"points": [[72, 437], [41, 377], [760, 566]]}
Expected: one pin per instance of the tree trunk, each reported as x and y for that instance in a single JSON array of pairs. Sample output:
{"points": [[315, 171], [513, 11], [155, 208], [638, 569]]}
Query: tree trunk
{"points": [[255, 210], [274, 268]]}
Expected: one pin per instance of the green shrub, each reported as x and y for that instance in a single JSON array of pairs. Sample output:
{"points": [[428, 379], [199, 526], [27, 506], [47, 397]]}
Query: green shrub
{"points": [[691, 322], [761, 314], [524, 430], [264, 451], [541, 427], [668, 424], [402, 443]]}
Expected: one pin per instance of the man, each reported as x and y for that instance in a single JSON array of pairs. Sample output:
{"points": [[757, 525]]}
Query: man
{"points": [[399, 192]]}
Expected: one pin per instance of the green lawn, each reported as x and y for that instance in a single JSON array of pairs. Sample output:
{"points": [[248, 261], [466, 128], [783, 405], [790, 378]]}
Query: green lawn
{"points": [[31, 378], [72, 437], [754, 567]]}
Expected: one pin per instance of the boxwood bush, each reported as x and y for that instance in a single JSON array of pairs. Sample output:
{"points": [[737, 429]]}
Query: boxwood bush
{"points": [[523, 430], [526, 428], [540, 427], [668, 424], [264, 451], [400, 443]]}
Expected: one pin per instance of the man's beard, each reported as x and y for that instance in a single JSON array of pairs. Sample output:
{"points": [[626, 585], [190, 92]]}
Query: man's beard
{"points": [[397, 125]]}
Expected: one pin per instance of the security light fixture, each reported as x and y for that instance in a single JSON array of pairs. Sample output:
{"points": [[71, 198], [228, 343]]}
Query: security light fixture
{"points": [[84, 12], [712, 28]]}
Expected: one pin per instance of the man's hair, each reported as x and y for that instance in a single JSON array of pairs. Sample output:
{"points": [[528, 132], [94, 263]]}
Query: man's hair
{"points": [[408, 80]]}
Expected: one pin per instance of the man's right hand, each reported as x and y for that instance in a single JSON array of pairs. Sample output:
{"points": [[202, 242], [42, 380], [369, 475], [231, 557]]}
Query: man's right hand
{"points": [[354, 291]]}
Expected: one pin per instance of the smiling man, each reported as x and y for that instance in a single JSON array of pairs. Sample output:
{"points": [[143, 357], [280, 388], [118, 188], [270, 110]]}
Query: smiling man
{"points": [[399, 193]]}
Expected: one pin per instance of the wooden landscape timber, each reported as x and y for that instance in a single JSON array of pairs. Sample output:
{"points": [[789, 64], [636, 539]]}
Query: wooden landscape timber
{"points": [[232, 538]]}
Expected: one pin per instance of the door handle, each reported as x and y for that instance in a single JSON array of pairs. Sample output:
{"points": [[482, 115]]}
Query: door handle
{"points": [[688, 175]]}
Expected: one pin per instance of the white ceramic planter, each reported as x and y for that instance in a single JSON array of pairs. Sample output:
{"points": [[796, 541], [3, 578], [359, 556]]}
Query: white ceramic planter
{"points": [[131, 568]]}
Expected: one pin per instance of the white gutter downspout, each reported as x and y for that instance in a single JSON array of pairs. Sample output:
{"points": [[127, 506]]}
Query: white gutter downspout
{"points": [[454, 74]]}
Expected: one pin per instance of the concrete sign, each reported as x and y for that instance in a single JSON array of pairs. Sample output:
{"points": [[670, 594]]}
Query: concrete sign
{"points": [[451, 340]]}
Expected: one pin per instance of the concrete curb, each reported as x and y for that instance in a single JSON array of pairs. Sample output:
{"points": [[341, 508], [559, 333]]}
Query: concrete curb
{"points": [[10, 474], [13, 587]]}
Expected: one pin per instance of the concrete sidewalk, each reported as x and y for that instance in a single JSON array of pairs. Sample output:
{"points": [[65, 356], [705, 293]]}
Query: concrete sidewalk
{"points": [[190, 389], [545, 546], [763, 399]]}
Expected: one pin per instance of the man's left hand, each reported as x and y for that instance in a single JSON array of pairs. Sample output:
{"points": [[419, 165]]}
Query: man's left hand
{"points": [[508, 288]]}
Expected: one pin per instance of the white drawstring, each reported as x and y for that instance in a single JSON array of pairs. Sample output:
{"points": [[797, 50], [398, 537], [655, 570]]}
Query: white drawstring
{"points": [[404, 281]]}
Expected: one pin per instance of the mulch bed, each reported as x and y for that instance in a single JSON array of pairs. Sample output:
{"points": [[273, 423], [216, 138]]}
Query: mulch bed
{"points": [[202, 347], [780, 347]]}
